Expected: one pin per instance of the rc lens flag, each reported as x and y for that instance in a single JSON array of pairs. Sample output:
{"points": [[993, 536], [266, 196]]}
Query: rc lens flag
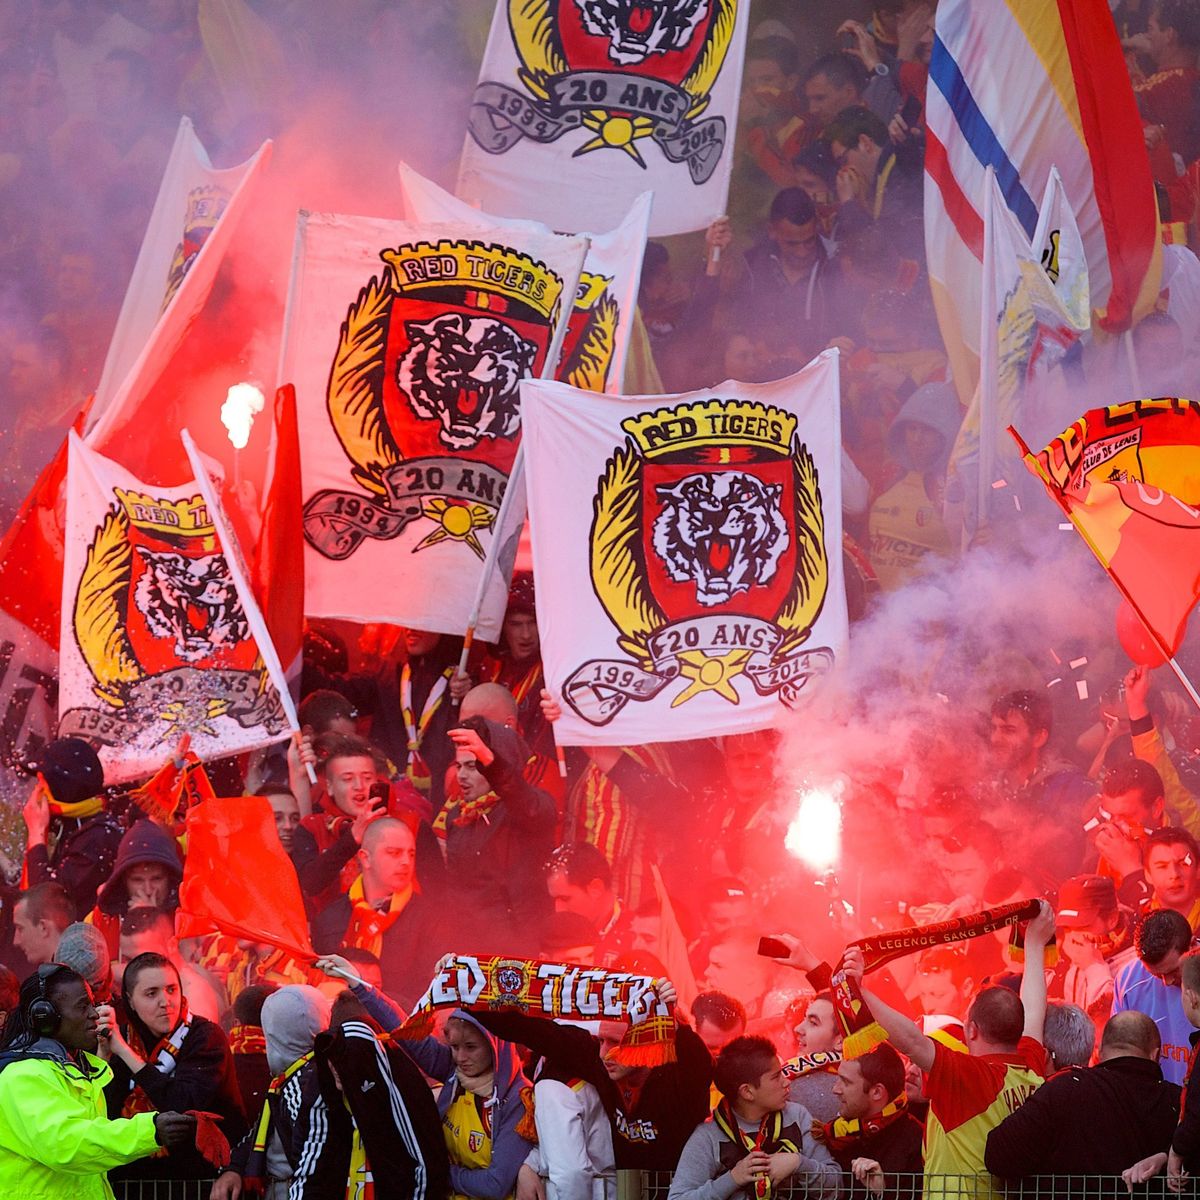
{"points": [[688, 552], [1129, 478], [584, 104], [602, 318], [406, 345], [157, 637]]}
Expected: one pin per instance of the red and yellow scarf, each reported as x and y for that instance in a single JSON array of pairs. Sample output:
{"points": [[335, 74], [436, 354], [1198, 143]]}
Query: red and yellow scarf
{"points": [[367, 924], [841, 1134], [416, 727], [769, 1139]]}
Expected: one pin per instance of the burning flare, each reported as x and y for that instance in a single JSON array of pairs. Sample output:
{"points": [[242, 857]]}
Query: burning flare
{"points": [[815, 833], [242, 404]]}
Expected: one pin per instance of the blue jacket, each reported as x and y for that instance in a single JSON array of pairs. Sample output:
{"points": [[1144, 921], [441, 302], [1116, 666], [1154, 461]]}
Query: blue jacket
{"points": [[1135, 988]]}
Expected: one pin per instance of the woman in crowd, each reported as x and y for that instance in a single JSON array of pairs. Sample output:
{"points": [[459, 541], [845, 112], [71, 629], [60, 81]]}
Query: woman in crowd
{"points": [[168, 1059]]}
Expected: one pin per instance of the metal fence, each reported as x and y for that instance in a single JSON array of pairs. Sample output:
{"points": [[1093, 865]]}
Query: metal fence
{"points": [[656, 1185]]}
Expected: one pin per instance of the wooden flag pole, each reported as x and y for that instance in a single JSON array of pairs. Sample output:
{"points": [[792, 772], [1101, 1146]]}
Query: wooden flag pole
{"points": [[1162, 647]]}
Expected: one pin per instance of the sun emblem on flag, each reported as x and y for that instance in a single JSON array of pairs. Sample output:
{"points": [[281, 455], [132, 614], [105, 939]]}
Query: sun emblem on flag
{"points": [[159, 623], [619, 75]]}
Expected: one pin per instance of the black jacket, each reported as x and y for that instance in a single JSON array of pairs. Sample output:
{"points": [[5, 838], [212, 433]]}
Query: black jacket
{"points": [[897, 1148], [392, 1106], [411, 945], [493, 865], [1186, 1142], [83, 858], [1087, 1121], [672, 1102], [204, 1079]]}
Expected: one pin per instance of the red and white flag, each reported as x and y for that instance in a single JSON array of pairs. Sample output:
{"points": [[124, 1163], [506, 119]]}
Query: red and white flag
{"points": [[194, 218], [160, 634], [406, 344], [601, 321]]}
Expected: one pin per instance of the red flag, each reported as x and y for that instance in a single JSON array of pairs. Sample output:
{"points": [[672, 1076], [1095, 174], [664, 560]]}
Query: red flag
{"points": [[261, 900], [1128, 476], [279, 561]]}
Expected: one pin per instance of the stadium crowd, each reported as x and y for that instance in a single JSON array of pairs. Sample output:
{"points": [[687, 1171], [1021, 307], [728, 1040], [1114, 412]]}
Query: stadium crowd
{"points": [[443, 819]]}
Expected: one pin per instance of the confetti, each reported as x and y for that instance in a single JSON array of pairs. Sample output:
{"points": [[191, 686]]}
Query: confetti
{"points": [[1053, 682], [1065, 525], [1057, 660], [1076, 663], [1081, 688], [1000, 483]]}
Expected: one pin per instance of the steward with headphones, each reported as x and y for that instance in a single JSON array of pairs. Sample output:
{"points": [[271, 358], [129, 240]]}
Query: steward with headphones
{"points": [[55, 1139]]}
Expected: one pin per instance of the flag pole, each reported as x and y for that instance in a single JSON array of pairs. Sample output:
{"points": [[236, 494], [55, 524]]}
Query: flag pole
{"points": [[549, 367], [289, 306], [1032, 460]]}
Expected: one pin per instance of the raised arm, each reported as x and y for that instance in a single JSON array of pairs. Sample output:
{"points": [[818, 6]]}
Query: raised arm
{"points": [[902, 1032], [1038, 933]]}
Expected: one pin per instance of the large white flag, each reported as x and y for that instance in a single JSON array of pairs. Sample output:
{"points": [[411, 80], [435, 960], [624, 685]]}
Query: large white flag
{"points": [[584, 104], [688, 553], [406, 344], [159, 636], [194, 217], [597, 339]]}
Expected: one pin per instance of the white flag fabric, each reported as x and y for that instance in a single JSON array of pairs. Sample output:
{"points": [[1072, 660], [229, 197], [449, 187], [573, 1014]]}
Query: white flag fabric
{"points": [[158, 638], [1036, 305], [688, 553], [597, 339], [406, 344], [584, 104], [194, 217]]}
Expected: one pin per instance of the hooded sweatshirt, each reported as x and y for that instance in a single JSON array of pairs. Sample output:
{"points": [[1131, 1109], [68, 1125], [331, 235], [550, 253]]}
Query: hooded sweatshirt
{"points": [[55, 1141], [144, 842], [488, 1139], [292, 1018]]}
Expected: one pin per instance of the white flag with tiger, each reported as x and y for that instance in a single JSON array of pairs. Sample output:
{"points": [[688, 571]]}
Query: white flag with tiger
{"points": [[688, 553]]}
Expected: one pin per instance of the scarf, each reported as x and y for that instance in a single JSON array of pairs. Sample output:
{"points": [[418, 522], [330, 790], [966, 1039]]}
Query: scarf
{"points": [[769, 1139], [79, 811], [247, 1039], [841, 1134], [367, 924], [861, 1032], [549, 990], [162, 1058], [465, 812], [161, 796], [417, 770], [810, 1064], [256, 1163]]}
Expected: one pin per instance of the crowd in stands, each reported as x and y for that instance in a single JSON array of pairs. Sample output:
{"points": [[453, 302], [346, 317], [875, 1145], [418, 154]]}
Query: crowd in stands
{"points": [[443, 819]]}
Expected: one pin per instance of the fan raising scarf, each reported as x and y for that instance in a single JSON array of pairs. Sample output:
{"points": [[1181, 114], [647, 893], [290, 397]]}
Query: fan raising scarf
{"points": [[544, 989], [769, 1139], [861, 1032], [162, 1058]]}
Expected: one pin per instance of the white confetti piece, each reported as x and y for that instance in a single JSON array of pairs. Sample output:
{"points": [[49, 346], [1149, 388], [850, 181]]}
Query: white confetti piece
{"points": [[1076, 663], [999, 483], [1081, 688]]}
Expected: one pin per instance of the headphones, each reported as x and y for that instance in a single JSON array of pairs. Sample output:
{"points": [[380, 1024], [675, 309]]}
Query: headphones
{"points": [[43, 1016]]}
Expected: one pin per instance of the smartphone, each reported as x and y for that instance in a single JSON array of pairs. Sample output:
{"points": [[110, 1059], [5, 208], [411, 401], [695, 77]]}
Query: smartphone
{"points": [[911, 111], [770, 947], [380, 793]]}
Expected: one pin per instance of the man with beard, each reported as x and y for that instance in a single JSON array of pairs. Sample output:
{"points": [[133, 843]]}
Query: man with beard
{"points": [[1034, 796]]}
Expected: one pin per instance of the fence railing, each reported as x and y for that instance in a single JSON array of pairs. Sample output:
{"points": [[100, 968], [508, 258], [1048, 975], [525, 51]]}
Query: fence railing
{"points": [[656, 1185]]}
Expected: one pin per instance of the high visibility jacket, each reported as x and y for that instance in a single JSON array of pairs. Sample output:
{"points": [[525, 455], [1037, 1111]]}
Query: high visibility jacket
{"points": [[56, 1141]]}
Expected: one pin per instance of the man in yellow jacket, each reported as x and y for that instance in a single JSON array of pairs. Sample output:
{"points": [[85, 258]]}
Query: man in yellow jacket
{"points": [[56, 1141]]}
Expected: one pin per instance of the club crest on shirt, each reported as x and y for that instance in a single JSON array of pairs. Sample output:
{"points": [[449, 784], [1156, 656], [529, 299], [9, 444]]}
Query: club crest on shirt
{"points": [[615, 75], [159, 623], [423, 392], [708, 555]]}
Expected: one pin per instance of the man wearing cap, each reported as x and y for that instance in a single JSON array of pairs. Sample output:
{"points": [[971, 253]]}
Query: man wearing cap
{"points": [[1097, 940], [70, 806]]}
